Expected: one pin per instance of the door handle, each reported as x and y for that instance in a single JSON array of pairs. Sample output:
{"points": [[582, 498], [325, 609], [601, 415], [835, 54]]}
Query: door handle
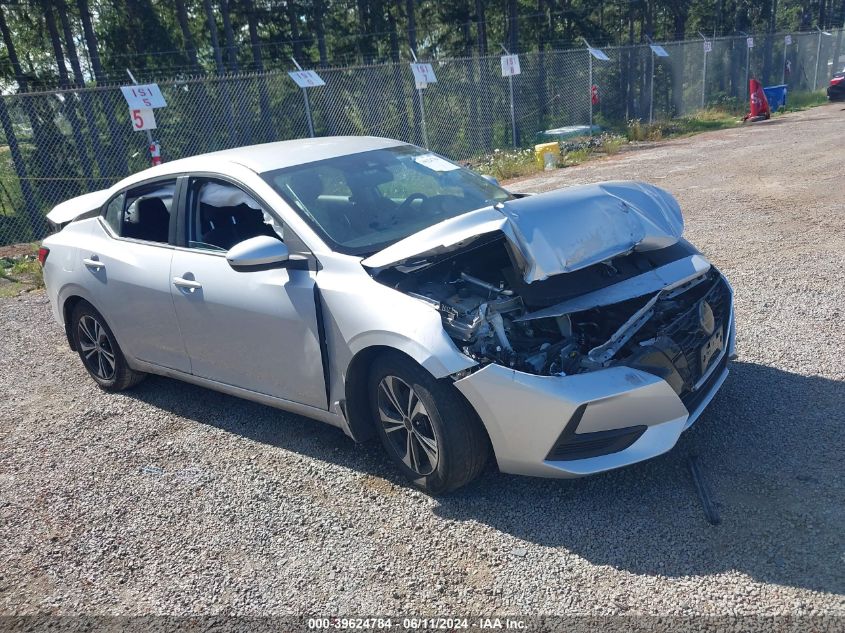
{"points": [[93, 262], [188, 284]]}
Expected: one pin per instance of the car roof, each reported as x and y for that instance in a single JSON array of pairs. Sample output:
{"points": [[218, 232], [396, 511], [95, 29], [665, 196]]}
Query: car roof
{"points": [[268, 156]]}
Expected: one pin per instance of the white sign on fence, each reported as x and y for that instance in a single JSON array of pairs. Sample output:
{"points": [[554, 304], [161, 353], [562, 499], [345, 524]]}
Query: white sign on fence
{"points": [[750, 42], [708, 46], [787, 40], [142, 97], [423, 74], [510, 65], [306, 78], [143, 119], [659, 50], [598, 54]]}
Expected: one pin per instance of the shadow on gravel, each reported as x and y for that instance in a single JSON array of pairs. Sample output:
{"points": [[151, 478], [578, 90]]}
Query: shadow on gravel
{"points": [[770, 446]]}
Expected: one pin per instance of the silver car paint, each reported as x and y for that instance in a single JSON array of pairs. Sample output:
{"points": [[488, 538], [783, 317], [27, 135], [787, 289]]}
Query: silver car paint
{"points": [[523, 413], [559, 231]]}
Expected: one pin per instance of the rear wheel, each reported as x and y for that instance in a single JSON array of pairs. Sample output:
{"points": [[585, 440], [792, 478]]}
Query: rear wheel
{"points": [[427, 428], [99, 351]]}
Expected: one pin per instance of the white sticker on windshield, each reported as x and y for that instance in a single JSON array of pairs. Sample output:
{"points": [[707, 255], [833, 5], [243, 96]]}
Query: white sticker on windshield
{"points": [[435, 163]]}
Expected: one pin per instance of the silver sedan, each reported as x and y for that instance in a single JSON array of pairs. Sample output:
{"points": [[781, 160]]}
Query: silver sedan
{"points": [[384, 289]]}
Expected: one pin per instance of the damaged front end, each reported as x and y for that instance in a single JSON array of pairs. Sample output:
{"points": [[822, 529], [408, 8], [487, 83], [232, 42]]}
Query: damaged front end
{"points": [[659, 311]]}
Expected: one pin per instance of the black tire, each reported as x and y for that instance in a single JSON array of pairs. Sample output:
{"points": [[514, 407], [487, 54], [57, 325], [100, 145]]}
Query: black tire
{"points": [[445, 417], [97, 348]]}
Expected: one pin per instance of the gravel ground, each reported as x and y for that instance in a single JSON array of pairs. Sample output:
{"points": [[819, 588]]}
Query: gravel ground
{"points": [[171, 499]]}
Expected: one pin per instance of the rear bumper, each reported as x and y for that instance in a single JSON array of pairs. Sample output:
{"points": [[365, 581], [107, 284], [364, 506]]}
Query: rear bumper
{"points": [[570, 426]]}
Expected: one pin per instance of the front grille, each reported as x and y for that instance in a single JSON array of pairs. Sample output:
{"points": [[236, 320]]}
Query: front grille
{"points": [[690, 337]]}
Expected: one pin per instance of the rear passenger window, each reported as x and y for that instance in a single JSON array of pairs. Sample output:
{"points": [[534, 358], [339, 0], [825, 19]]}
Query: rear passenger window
{"points": [[147, 212], [221, 215]]}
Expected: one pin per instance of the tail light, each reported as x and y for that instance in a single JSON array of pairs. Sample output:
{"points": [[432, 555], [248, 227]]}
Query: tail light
{"points": [[836, 80], [42, 255]]}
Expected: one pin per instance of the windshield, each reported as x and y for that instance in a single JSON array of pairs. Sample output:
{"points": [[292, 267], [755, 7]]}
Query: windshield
{"points": [[364, 202]]}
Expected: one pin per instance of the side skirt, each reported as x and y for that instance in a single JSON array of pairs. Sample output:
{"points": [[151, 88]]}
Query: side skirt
{"points": [[314, 413]]}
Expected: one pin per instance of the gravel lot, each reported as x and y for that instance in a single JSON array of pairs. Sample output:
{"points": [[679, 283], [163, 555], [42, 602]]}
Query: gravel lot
{"points": [[171, 499]]}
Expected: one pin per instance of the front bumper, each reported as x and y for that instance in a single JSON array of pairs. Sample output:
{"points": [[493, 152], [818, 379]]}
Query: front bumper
{"points": [[612, 417]]}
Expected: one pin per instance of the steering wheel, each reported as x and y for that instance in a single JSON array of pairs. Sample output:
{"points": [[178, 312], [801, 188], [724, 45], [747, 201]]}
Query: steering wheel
{"points": [[406, 203]]}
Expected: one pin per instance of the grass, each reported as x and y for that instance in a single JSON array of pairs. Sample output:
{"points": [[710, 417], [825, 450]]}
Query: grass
{"points": [[803, 100], [20, 273]]}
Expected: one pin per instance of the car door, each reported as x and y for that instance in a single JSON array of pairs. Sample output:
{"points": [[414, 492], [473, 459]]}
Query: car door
{"points": [[127, 262], [256, 330]]}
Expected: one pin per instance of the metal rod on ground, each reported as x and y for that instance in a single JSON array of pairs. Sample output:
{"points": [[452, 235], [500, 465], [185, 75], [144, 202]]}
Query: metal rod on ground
{"points": [[701, 488], [305, 101]]}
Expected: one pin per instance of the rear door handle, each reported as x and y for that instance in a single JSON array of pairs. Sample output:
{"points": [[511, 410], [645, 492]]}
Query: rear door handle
{"points": [[188, 284], [93, 262]]}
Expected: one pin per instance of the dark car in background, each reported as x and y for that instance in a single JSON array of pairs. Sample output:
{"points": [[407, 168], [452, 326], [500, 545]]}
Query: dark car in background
{"points": [[836, 89]]}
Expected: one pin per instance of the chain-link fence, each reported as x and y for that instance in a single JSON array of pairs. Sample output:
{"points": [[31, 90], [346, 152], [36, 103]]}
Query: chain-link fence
{"points": [[64, 143]]}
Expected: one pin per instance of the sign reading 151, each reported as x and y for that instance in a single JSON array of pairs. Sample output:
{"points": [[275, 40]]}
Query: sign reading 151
{"points": [[142, 97]]}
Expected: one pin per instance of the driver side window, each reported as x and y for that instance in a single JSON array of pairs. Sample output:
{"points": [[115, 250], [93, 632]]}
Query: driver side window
{"points": [[221, 215]]}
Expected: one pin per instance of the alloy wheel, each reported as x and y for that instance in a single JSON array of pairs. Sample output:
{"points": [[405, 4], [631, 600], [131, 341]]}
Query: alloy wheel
{"points": [[96, 347], [407, 425]]}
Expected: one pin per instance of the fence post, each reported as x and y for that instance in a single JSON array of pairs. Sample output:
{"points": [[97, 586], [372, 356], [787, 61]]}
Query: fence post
{"points": [[590, 86], [786, 40], [308, 112], [510, 91], [36, 223], [422, 117], [704, 70]]}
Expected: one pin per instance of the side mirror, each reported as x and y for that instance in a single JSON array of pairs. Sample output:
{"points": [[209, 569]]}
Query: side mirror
{"points": [[490, 178], [258, 253]]}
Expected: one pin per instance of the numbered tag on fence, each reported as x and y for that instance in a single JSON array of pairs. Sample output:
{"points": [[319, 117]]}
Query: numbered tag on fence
{"points": [[141, 97], [750, 42], [423, 74], [708, 46], [306, 78], [142, 119], [510, 65], [787, 40]]}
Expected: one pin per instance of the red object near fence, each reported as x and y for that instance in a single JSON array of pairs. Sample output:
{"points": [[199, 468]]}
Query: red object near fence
{"points": [[155, 153], [594, 94], [759, 104]]}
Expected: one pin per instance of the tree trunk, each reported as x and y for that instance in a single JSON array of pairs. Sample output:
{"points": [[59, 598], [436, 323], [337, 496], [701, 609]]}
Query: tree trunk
{"points": [[187, 36], [258, 64], [69, 102], [296, 42], [231, 49], [20, 76], [481, 28], [542, 36], [211, 21], [410, 9], [222, 85], [84, 97], [56, 42], [319, 26], [34, 218], [117, 155], [513, 27]]}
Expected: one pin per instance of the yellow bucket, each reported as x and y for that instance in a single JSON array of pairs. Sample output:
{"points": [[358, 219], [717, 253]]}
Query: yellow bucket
{"points": [[546, 148]]}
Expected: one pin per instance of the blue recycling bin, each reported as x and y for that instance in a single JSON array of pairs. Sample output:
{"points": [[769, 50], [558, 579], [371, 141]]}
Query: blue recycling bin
{"points": [[776, 96]]}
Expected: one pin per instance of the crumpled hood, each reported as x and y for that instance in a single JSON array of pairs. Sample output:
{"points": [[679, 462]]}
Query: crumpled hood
{"points": [[559, 231]]}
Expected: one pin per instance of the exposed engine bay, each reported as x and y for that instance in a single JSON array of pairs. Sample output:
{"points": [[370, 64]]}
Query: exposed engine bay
{"points": [[551, 327]]}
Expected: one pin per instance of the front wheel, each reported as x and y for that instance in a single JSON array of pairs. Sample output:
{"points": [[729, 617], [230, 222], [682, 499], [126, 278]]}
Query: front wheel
{"points": [[429, 431], [99, 351]]}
